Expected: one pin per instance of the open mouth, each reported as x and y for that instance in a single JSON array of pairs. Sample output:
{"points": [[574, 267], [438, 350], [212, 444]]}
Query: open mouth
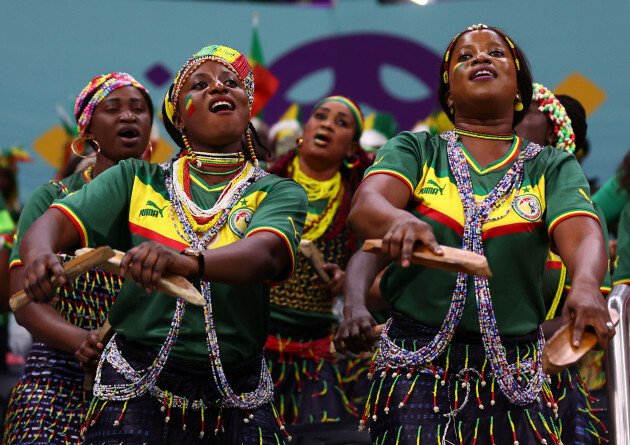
{"points": [[221, 105], [483, 73], [129, 135], [321, 138]]}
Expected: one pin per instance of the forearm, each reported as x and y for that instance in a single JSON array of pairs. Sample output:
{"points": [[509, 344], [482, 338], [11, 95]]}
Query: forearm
{"points": [[581, 246], [51, 232], [361, 272], [372, 215], [44, 322], [263, 256]]}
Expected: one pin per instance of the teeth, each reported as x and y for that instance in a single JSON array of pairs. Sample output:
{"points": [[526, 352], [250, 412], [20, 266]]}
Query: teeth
{"points": [[221, 103], [483, 73]]}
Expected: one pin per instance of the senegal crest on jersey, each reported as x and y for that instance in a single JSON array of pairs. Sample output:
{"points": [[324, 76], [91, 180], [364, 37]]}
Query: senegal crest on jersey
{"points": [[239, 220], [528, 207]]}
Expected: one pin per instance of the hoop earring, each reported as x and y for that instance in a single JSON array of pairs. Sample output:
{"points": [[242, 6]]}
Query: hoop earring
{"points": [[150, 147], [298, 143], [349, 163], [518, 106], [74, 150]]}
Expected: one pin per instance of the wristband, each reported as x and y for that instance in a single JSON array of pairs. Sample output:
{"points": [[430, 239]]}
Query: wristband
{"points": [[201, 261]]}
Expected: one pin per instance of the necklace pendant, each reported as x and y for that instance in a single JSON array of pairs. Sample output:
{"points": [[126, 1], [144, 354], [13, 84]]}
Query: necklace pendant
{"points": [[198, 162]]}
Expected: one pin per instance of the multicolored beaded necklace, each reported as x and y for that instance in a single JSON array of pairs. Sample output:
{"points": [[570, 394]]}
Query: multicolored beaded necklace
{"points": [[490, 136], [476, 215], [143, 382]]}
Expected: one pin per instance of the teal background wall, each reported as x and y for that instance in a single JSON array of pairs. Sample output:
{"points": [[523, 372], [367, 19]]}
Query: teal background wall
{"points": [[49, 50]]}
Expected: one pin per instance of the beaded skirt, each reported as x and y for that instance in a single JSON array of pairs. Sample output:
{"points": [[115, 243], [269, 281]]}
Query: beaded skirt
{"points": [[456, 399], [145, 420], [48, 404], [311, 384]]}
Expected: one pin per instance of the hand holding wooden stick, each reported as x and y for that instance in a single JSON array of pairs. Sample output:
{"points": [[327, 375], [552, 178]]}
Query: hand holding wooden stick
{"points": [[310, 251]]}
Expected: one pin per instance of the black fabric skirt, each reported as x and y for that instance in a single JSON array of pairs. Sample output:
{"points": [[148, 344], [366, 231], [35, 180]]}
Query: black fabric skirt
{"points": [[145, 420], [410, 406]]}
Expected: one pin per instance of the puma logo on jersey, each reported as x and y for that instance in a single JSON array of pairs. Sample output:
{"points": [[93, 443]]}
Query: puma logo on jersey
{"points": [[296, 233], [432, 190], [154, 212], [376, 162]]}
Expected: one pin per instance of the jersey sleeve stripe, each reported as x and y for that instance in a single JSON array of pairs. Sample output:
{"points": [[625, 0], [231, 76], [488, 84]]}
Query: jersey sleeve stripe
{"points": [[15, 263], [76, 221], [393, 173], [289, 246], [154, 236], [558, 219]]}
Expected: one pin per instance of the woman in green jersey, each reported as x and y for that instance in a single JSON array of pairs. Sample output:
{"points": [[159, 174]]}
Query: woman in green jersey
{"points": [[176, 373], [460, 361]]}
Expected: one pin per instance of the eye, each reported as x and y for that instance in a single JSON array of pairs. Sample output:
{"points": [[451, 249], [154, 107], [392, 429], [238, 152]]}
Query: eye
{"points": [[230, 83], [112, 109], [200, 85], [319, 115], [343, 123], [497, 53], [464, 57]]}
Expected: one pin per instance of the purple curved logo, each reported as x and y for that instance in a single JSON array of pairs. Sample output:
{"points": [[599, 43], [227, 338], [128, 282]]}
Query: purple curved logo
{"points": [[355, 61]]}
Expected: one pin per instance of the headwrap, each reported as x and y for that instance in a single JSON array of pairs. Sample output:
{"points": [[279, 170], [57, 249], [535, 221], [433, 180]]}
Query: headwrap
{"points": [[356, 112], [97, 90], [550, 105], [232, 59]]}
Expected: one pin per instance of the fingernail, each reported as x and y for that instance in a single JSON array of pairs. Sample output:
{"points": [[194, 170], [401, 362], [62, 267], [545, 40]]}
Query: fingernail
{"points": [[405, 263]]}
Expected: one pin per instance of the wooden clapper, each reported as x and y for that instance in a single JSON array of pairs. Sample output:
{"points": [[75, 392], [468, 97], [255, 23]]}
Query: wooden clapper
{"points": [[108, 259]]}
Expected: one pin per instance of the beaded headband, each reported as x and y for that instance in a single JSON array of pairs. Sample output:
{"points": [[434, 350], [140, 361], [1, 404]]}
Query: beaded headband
{"points": [[550, 105], [232, 59], [99, 88], [356, 112], [478, 27]]}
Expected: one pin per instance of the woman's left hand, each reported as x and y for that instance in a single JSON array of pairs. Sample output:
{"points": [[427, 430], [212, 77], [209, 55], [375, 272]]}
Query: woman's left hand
{"points": [[587, 307], [89, 351], [148, 261], [334, 287]]}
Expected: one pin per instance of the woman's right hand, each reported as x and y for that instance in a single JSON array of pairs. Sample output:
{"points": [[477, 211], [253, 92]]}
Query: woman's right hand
{"points": [[402, 236], [355, 332], [37, 278]]}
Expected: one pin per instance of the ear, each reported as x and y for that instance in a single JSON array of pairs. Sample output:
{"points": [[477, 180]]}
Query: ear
{"points": [[354, 147], [449, 99], [550, 136], [177, 121]]}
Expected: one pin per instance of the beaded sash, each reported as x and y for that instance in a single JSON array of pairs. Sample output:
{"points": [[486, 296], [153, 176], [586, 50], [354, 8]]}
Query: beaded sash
{"points": [[476, 215], [142, 382]]}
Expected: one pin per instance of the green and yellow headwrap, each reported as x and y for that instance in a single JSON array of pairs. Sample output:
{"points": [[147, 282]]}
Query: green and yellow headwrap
{"points": [[356, 112], [232, 59]]}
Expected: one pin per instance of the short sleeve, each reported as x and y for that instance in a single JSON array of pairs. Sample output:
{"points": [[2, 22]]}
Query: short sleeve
{"points": [[611, 199], [99, 211], [37, 204], [283, 212], [401, 158], [621, 274], [567, 192]]}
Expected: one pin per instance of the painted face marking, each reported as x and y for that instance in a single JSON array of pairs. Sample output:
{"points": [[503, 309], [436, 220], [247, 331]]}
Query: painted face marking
{"points": [[190, 108]]}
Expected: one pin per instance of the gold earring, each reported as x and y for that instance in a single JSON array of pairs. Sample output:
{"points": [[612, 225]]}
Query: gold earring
{"points": [[74, 149], [452, 109], [518, 105], [150, 147]]}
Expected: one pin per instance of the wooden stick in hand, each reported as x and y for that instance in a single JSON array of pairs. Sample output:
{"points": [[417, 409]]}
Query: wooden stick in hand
{"points": [[170, 284], [457, 260], [105, 334], [313, 255], [73, 268]]}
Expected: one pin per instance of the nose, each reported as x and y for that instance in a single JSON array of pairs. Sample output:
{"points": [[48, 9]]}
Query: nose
{"points": [[127, 115], [216, 87], [481, 57]]}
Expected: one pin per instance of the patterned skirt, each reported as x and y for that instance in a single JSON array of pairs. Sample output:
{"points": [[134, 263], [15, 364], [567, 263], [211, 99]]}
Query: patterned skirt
{"points": [[48, 404], [311, 384], [580, 424], [145, 420], [456, 400]]}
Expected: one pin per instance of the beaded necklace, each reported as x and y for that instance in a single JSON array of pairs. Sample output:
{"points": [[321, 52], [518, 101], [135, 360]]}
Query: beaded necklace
{"points": [[217, 160], [479, 135], [332, 189], [143, 382], [476, 215]]}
